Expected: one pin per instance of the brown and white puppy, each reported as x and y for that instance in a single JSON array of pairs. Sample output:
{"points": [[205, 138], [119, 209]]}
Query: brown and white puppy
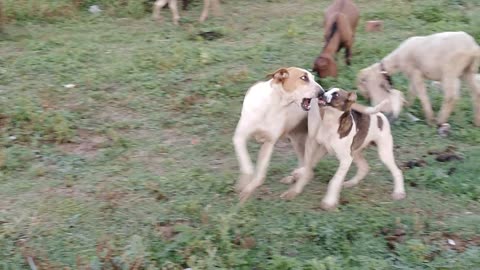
{"points": [[272, 109], [172, 4], [335, 128]]}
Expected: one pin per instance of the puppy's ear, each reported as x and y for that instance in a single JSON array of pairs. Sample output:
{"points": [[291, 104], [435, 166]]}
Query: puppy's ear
{"points": [[279, 76], [352, 97]]}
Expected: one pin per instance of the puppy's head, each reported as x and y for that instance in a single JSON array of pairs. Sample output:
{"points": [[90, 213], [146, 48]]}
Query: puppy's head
{"points": [[325, 66], [338, 99], [297, 85]]}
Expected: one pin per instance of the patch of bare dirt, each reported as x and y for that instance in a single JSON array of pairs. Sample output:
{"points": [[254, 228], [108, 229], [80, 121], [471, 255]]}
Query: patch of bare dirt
{"points": [[85, 144], [167, 229]]}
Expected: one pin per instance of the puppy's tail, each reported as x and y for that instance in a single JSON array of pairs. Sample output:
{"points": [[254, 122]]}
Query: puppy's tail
{"points": [[368, 109]]}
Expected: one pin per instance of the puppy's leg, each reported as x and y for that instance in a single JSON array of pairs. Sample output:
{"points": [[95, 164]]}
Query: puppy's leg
{"points": [[173, 7], [157, 7], [330, 200], [206, 7], [246, 167], [450, 88], [262, 164], [475, 90], [362, 170], [385, 152], [313, 153], [417, 80]]}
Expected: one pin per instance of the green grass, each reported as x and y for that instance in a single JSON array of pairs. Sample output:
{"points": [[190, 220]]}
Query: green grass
{"points": [[134, 166]]}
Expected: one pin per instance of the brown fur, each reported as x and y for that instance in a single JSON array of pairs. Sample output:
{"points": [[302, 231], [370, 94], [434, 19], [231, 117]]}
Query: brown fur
{"points": [[362, 122], [340, 22], [346, 124], [290, 78]]}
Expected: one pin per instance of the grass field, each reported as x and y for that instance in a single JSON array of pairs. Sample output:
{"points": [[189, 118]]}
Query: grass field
{"points": [[134, 168]]}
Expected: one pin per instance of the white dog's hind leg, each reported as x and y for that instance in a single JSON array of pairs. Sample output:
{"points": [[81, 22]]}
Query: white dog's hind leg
{"points": [[157, 7], [173, 7], [313, 154], [298, 140], [263, 160], [385, 152], [362, 170]]}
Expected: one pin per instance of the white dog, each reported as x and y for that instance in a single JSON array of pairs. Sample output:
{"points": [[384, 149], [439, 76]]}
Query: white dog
{"points": [[270, 110], [443, 57], [334, 127]]}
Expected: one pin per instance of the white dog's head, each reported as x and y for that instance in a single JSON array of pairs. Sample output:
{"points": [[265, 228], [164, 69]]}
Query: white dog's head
{"points": [[375, 85], [297, 85]]}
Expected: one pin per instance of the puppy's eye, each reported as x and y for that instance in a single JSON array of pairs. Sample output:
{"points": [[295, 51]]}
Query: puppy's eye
{"points": [[335, 94], [304, 78]]}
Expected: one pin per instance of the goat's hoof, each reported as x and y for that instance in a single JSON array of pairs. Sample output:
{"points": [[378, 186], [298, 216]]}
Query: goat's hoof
{"points": [[398, 196], [289, 194], [288, 180]]}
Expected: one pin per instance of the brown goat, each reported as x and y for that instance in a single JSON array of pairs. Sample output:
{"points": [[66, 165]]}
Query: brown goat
{"points": [[339, 23]]}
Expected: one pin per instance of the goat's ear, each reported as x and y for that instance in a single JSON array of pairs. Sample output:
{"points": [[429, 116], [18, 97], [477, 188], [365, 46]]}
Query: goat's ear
{"points": [[279, 75], [352, 97]]}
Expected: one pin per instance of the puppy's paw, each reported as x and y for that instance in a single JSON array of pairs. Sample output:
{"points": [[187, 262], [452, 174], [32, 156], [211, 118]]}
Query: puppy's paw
{"points": [[289, 194], [350, 183], [288, 180], [398, 196], [328, 206]]}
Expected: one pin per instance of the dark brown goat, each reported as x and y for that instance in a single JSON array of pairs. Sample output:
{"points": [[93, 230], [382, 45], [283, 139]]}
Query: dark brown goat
{"points": [[340, 21]]}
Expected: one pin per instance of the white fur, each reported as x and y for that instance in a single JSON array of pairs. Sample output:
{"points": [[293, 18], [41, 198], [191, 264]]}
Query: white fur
{"points": [[443, 57], [270, 112], [323, 138]]}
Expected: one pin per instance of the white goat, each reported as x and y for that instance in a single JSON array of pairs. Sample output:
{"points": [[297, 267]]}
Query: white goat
{"points": [[443, 57]]}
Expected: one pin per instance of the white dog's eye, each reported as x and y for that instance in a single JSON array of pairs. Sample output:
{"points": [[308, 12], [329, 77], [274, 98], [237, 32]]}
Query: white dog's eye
{"points": [[304, 78]]}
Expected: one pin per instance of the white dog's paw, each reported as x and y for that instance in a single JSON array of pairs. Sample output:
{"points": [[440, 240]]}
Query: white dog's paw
{"points": [[350, 183], [289, 194], [242, 182], [288, 180], [328, 206], [398, 195]]}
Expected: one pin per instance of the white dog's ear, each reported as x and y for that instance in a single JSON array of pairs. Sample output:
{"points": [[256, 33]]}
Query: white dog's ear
{"points": [[279, 75]]}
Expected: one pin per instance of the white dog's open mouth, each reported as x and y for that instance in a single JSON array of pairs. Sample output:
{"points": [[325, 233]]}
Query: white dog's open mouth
{"points": [[306, 103]]}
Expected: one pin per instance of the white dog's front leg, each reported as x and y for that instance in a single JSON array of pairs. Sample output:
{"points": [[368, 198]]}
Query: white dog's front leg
{"points": [[262, 165], [330, 200]]}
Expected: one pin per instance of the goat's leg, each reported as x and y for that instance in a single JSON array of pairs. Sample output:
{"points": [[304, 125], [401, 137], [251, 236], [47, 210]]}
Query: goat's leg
{"points": [[418, 83], [474, 85], [450, 88]]}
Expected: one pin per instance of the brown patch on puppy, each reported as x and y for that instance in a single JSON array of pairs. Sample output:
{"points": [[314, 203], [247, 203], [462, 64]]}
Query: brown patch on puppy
{"points": [[362, 122], [380, 122], [346, 124], [291, 78]]}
